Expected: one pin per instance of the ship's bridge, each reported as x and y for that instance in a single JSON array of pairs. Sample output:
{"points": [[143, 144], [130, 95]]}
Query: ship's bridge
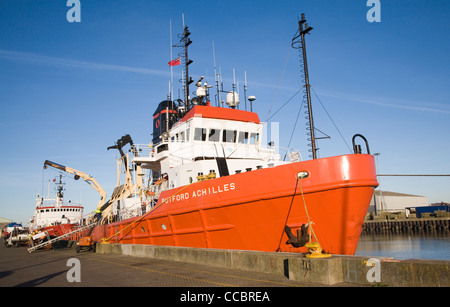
{"points": [[207, 132], [226, 141]]}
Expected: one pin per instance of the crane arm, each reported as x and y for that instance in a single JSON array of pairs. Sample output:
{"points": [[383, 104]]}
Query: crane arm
{"points": [[77, 175]]}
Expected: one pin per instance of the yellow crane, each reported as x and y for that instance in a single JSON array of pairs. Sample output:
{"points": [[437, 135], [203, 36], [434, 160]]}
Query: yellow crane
{"points": [[77, 175]]}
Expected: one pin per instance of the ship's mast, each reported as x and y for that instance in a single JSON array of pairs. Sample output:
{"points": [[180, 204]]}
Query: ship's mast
{"points": [[184, 37], [303, 29], [59, 189]]}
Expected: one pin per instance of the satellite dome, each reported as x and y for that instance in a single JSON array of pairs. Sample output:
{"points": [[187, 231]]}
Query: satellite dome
{"points": [[232, 99]]}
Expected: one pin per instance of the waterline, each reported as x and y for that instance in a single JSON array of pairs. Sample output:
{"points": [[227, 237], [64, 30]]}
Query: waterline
{"points": [[410, 245]]}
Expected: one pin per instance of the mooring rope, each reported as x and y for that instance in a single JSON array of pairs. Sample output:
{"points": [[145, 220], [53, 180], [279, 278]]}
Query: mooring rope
{"points": [[142, 216]]}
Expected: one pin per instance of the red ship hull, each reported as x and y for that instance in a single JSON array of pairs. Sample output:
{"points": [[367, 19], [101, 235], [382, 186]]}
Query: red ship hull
{"points": [[58, 230], [249, 211]]}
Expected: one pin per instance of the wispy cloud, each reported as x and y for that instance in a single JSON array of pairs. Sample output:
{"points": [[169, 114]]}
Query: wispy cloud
{"points": [[62, 62], [394, 103], [38, 59], [55, 61]]}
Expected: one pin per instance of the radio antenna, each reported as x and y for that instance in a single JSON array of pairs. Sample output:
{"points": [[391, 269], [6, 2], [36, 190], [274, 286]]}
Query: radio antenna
{"points": [[216, 76], [171, 67], [245, 89]]}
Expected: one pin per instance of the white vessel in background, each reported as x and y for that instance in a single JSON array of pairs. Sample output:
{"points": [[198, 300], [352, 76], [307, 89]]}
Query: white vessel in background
{"points": [[54, 215]]}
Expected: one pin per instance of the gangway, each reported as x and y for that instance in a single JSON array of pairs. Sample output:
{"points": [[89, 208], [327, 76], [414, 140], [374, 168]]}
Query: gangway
{"points": [[35, 247]]}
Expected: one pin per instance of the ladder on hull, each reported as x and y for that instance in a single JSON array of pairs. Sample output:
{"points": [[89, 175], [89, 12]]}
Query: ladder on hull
{"points": [[35, 247]]}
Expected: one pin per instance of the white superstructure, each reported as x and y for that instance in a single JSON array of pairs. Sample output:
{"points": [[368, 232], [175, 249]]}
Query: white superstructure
{"points": [[208, 140], [53, 211]]}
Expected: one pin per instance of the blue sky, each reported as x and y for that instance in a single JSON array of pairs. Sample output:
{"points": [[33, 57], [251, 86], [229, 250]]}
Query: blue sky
{"points": [[70, 90]]}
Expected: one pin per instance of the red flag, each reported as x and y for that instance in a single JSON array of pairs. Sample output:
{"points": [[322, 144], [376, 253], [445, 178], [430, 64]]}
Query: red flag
{"points": [[175, 62]]}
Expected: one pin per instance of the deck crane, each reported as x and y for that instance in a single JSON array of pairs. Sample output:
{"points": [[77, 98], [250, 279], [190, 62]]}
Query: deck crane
{"points": [[77, 175], [129, 187]]}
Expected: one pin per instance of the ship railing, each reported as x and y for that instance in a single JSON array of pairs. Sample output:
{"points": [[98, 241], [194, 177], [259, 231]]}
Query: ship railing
{"points": [[186, 150], [52, 203], [143, 149], [292, 154]]}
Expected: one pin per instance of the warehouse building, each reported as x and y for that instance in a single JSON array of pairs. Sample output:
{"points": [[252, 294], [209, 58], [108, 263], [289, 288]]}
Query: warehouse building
{"points": [[394, 202]]}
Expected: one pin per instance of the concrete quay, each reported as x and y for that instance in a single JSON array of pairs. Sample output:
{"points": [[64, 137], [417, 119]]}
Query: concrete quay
{"points": [[63, 267], [336, 270], [411, 224]]}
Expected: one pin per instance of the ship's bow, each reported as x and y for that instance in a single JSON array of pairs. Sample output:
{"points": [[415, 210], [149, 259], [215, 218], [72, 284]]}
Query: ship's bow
{"points": [[334, 196]]}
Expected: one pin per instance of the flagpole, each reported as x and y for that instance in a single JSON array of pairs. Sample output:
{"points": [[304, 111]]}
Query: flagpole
{"points": [[171, 67]]}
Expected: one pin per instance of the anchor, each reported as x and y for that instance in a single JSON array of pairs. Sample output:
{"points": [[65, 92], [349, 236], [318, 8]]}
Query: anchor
{"points": [[302, 236]]}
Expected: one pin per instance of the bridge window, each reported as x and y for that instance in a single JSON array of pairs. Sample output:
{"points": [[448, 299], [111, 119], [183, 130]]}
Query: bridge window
{"points": [[162, 147], [254, 137], [214, 135], [200, 134], [229, 136], [243, 137]]}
